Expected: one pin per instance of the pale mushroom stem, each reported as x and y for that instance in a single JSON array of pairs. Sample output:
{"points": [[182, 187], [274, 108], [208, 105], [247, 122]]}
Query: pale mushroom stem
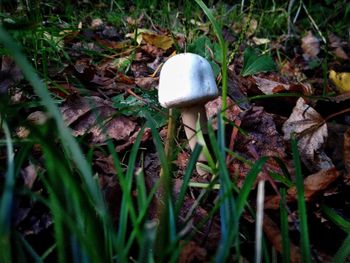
{"points": [[190, 116]]}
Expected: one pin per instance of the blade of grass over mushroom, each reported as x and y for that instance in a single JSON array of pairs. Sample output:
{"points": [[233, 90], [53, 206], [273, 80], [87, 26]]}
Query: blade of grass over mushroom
{"points": [[340, 221], [304, 232], [70, 144], [223, 46], [284, 228], [7, 198], [343, 252]]}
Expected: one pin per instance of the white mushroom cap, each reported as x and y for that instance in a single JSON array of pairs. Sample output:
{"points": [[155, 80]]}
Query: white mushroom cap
{"points": [[186, 79]]}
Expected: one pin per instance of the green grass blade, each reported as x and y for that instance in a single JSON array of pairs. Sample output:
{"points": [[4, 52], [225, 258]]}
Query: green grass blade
{"points": [[228, 215], [340, 221], [186, 179], [343, 253], [7, 199], [223, 46], [69, 143], [284, 228], [304, 232], [166, 234], [248, 184]]}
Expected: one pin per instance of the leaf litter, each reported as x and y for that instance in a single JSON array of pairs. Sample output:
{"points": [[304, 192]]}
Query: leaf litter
{"points": [[256, 130]]}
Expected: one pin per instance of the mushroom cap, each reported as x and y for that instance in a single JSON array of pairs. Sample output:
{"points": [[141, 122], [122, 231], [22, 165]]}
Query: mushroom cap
{"points": [[185, 80]]}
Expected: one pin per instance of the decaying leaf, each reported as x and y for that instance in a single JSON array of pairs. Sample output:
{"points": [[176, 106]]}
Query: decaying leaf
{"points": [[161, 41], [337, 45], [96, 117], [268, 86], [314, 184], [10, 73], [346, 155], [310, 45], [311, 131], [273, 233], [192, 252]]}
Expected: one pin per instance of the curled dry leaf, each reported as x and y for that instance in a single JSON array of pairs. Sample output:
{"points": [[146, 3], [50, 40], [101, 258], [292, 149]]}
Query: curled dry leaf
{"points": [[314, 184], [268, 86], [310, 45], [311, 131]]}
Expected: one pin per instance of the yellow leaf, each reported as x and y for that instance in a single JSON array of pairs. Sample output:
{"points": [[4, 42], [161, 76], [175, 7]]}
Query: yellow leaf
{"points": [[341, 80], [161, 41]]}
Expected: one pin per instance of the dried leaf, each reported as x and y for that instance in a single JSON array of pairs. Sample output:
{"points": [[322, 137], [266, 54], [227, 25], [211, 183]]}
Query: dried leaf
{"points": [[274, 235], [192, 252], [336, 43], [147, 83], [29, 175], [310, 45], [262, 134], [95, 116], [314, 184], [311, 132], [346, 155], [10, 73], [268, 86], [161, 41]]}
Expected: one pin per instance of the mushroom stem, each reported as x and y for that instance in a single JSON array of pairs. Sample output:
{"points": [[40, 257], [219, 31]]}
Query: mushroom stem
{"points": [[190, 116]]}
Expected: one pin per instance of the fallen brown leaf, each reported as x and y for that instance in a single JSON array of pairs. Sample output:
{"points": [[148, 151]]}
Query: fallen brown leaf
{"points": [[96, 117], [273, 233], [311, 131], [268, 86], [161, 41], [192, 252], [346, 155], [310, 45], [314, 184]]}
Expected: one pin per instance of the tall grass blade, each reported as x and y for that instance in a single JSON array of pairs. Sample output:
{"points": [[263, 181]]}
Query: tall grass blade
{"points": [[186, 179], [7, 199], [166, 233], [284, 228], [304, 232], [343, 253], [248, 184], [340, 221], [223, 47], [228, 215], [70, 144]]}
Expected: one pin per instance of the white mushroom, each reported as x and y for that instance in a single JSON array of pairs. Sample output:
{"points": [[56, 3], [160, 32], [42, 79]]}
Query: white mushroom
{"points": [[187, 82]]}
